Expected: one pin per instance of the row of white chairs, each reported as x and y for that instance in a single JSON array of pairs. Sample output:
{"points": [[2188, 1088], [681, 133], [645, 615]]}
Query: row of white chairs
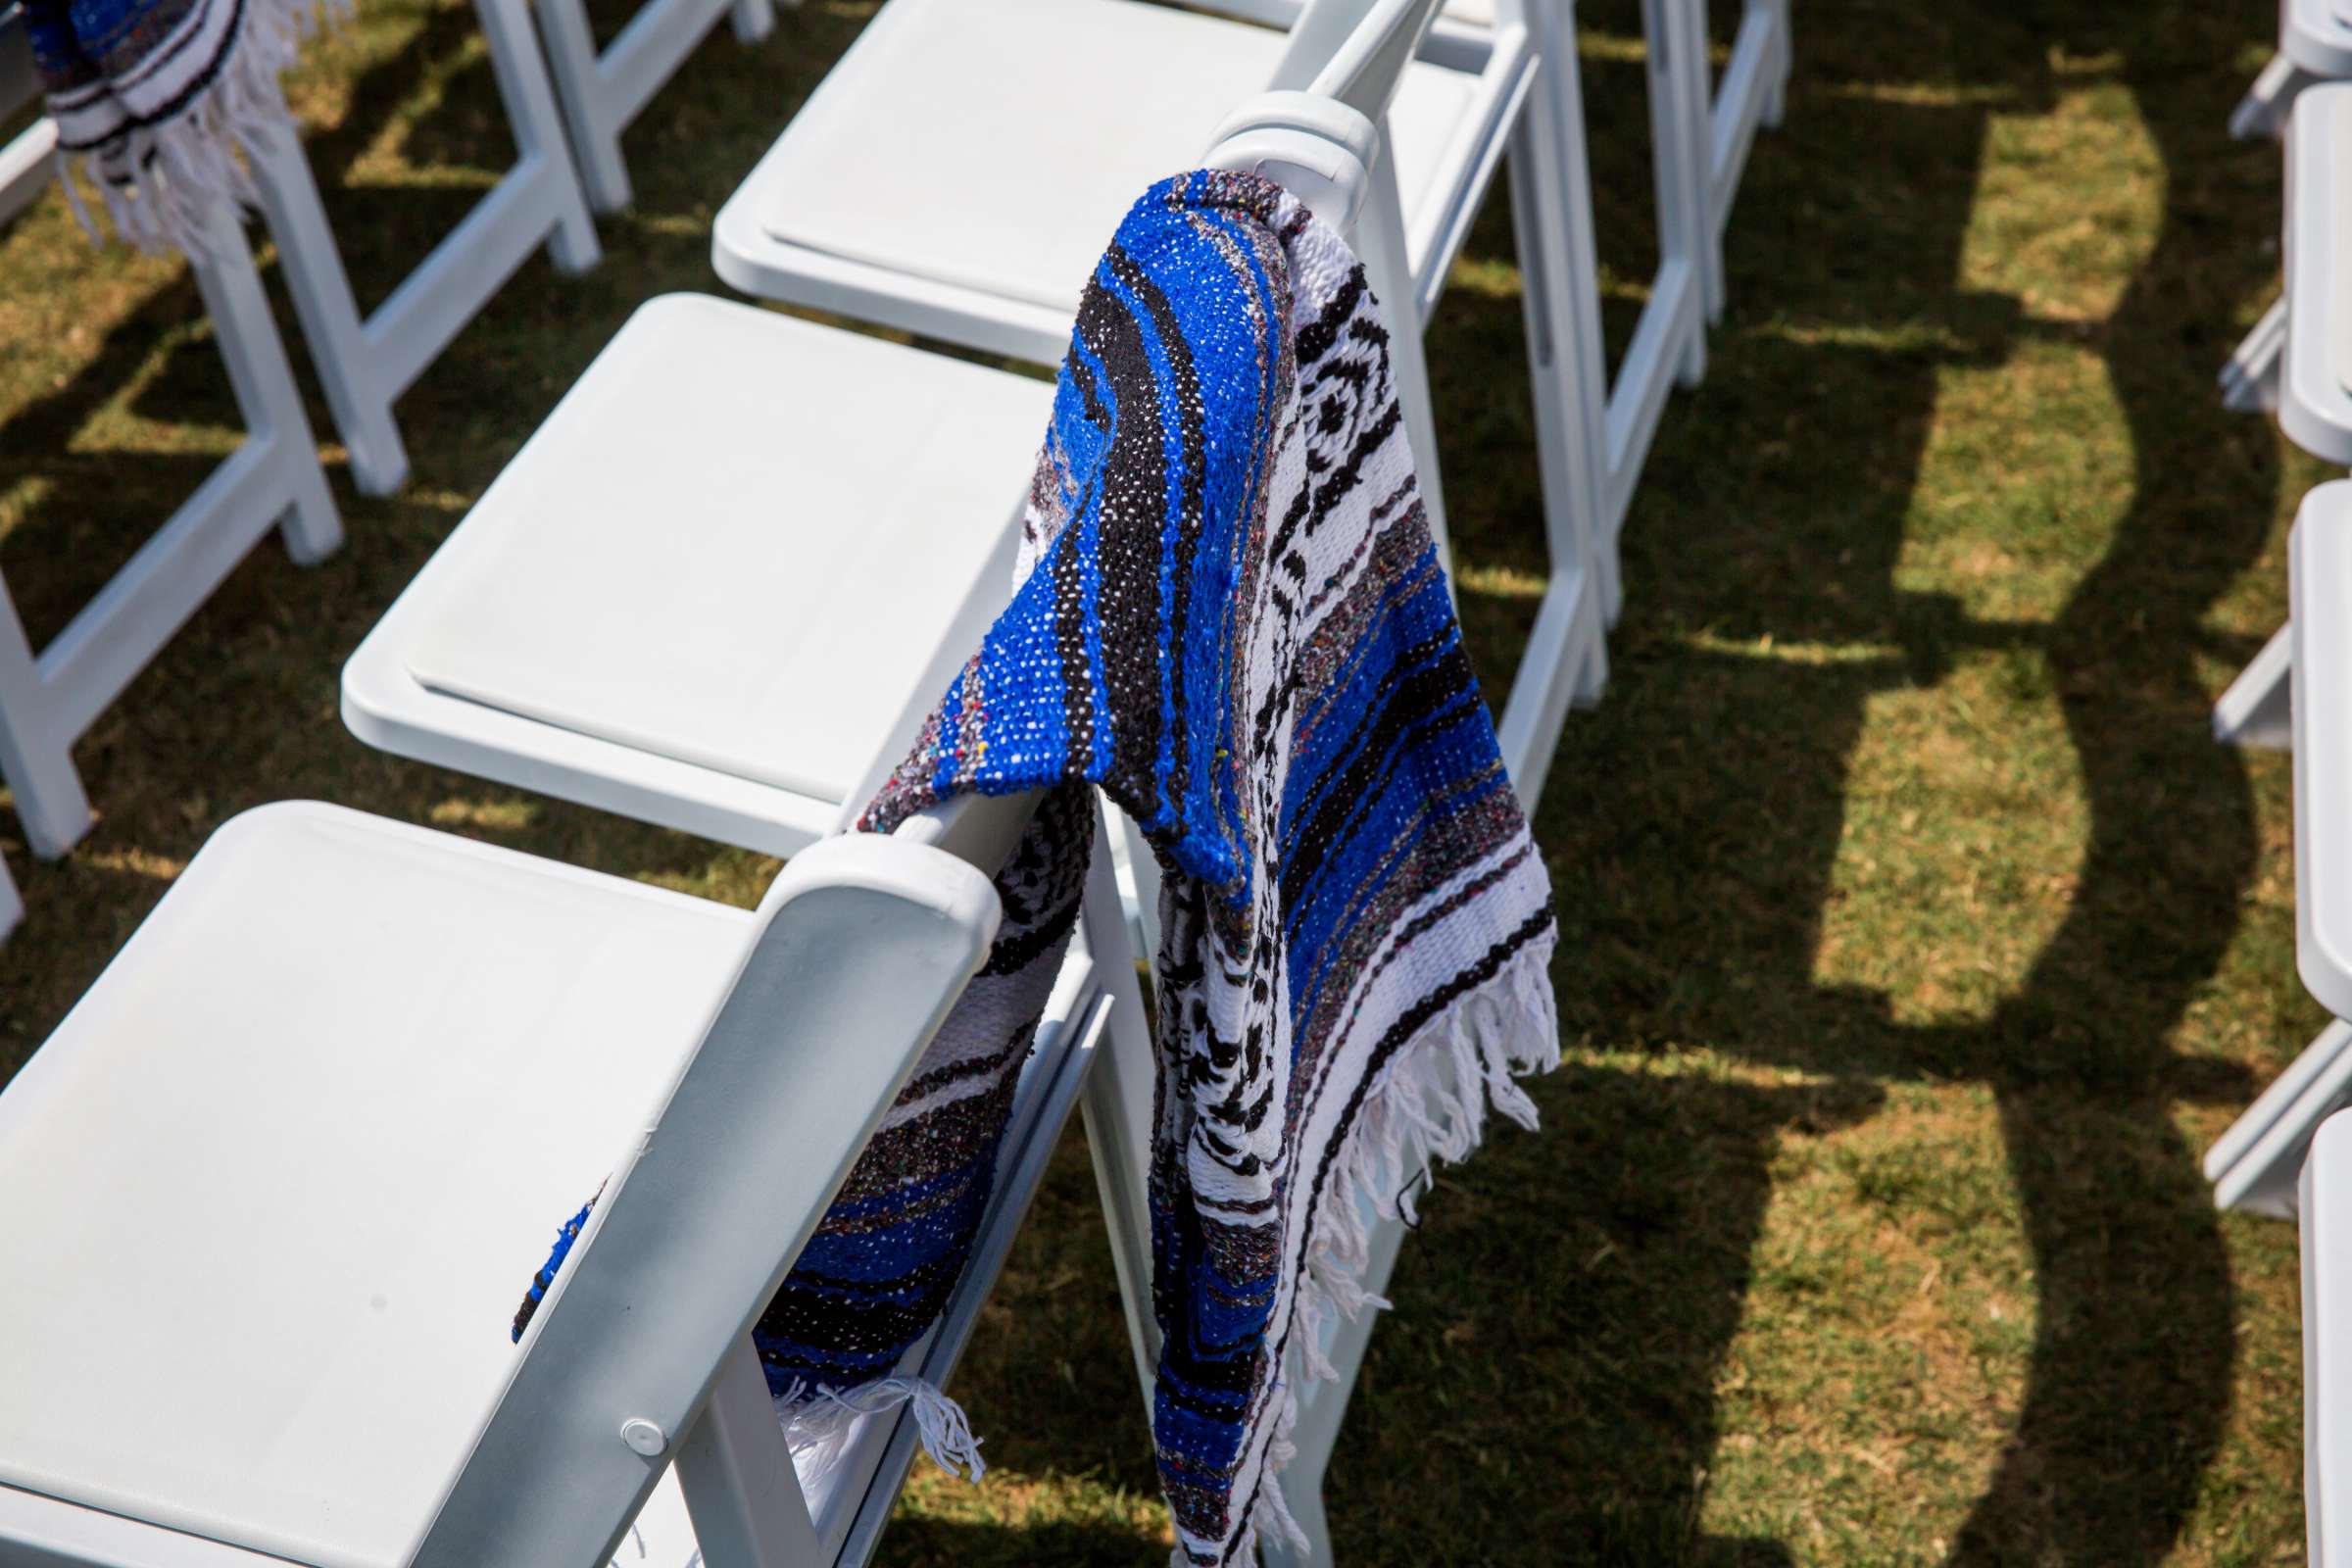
{"points": [[974, 262], [383, 1060], [2290, 1154]]}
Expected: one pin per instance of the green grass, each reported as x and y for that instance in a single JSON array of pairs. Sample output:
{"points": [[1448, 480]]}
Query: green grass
{"points": [[1917, 935]]}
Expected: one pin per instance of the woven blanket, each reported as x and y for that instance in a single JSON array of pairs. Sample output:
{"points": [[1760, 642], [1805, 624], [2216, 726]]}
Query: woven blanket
{"points": [[158, 99], [1232, 618]]}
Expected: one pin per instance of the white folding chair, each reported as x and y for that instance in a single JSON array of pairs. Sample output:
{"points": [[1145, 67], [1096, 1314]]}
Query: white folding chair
{"points": [[526, 650], [364, 363], [604, 93], [48, 699], [2315, 45], [2326, 1241], [2305, 370], [273, 1190], [2255, 1163], [970, 203]]}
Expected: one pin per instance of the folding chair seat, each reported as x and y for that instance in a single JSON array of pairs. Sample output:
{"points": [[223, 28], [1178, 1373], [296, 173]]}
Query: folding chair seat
{"points": [[710, 586], [270, 1194], [48, 697], [2254, 1165], [2315, 45], [2326, 1241]]}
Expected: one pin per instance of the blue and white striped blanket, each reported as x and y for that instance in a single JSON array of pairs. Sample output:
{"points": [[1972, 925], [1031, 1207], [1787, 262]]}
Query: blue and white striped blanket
{"points": [[1234, 621], [158, 99]]}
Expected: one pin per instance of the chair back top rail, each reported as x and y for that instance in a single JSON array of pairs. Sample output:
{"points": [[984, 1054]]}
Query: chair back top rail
{"points": [[1354, 50]]}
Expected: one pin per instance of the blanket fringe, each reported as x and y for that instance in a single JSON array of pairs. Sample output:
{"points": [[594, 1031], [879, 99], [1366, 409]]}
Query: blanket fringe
{"points": [[1430, 1104], [818, 1424], [163, 183]]}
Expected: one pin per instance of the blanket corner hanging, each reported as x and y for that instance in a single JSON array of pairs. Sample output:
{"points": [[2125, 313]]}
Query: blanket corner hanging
{"points": [[158, 101]]}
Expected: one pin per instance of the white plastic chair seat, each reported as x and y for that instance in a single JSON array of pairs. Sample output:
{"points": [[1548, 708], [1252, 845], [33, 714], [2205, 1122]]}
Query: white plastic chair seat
{"points": [[1012, 136], [2320, 573], [2315, 402], [490, 1028], [708, 587], [2326, 1243]]}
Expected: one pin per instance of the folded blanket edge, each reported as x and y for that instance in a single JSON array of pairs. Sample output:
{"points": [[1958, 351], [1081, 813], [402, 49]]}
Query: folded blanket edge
{"points": [[161, 182]]}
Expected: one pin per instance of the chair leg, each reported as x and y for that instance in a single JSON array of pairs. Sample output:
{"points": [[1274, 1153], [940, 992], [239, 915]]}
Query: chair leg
{"points": [[329, 314], [36, 756], [1569, 623], [12, 902], [571, 60], [1381, 245], [753, 20], [1118, 1105], [1682, 140], [1776, 92], [2257, 710], [736, 1474], [538, 125], [262, 380], [2249, 381], [2264, 109]]}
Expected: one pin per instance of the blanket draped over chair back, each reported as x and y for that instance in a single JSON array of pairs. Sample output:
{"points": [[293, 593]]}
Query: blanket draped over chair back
{"points": [[158, 99], [1232, 618]]}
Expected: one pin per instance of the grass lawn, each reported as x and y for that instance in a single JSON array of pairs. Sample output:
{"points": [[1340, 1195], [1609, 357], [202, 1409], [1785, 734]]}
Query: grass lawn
{"points": [[1917, 937]]}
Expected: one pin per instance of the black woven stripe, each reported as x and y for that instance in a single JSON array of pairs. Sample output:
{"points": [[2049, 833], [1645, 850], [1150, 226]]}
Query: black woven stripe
{"points": [[1488, 966], [1430, 697], [1144, 636]]}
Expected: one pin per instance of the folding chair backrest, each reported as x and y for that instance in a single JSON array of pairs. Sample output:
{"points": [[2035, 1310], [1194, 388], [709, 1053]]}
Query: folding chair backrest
{"points": [[862, 937], [1354, 50]]}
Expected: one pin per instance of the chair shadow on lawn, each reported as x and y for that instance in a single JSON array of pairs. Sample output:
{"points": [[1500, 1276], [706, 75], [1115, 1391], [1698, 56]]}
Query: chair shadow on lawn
{"points": [[1694, 820]]}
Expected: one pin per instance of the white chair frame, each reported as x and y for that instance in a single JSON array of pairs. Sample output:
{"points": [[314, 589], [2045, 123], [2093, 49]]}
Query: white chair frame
{"points": [[601, 93], [365, 363], [640, 1354], [2315, 45], [2299, 362], [1299, 140], [49, 698], [2326, 1235], [2254, 1165], [1751, 94]]}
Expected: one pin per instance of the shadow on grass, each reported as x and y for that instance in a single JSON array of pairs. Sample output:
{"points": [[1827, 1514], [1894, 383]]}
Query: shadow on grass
{"points": [[1694, 821]]}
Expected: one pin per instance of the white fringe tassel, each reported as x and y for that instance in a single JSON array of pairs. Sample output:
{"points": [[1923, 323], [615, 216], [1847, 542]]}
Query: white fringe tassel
{"points": [[164, 184], [818, 1425], [1431, 1105]]}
